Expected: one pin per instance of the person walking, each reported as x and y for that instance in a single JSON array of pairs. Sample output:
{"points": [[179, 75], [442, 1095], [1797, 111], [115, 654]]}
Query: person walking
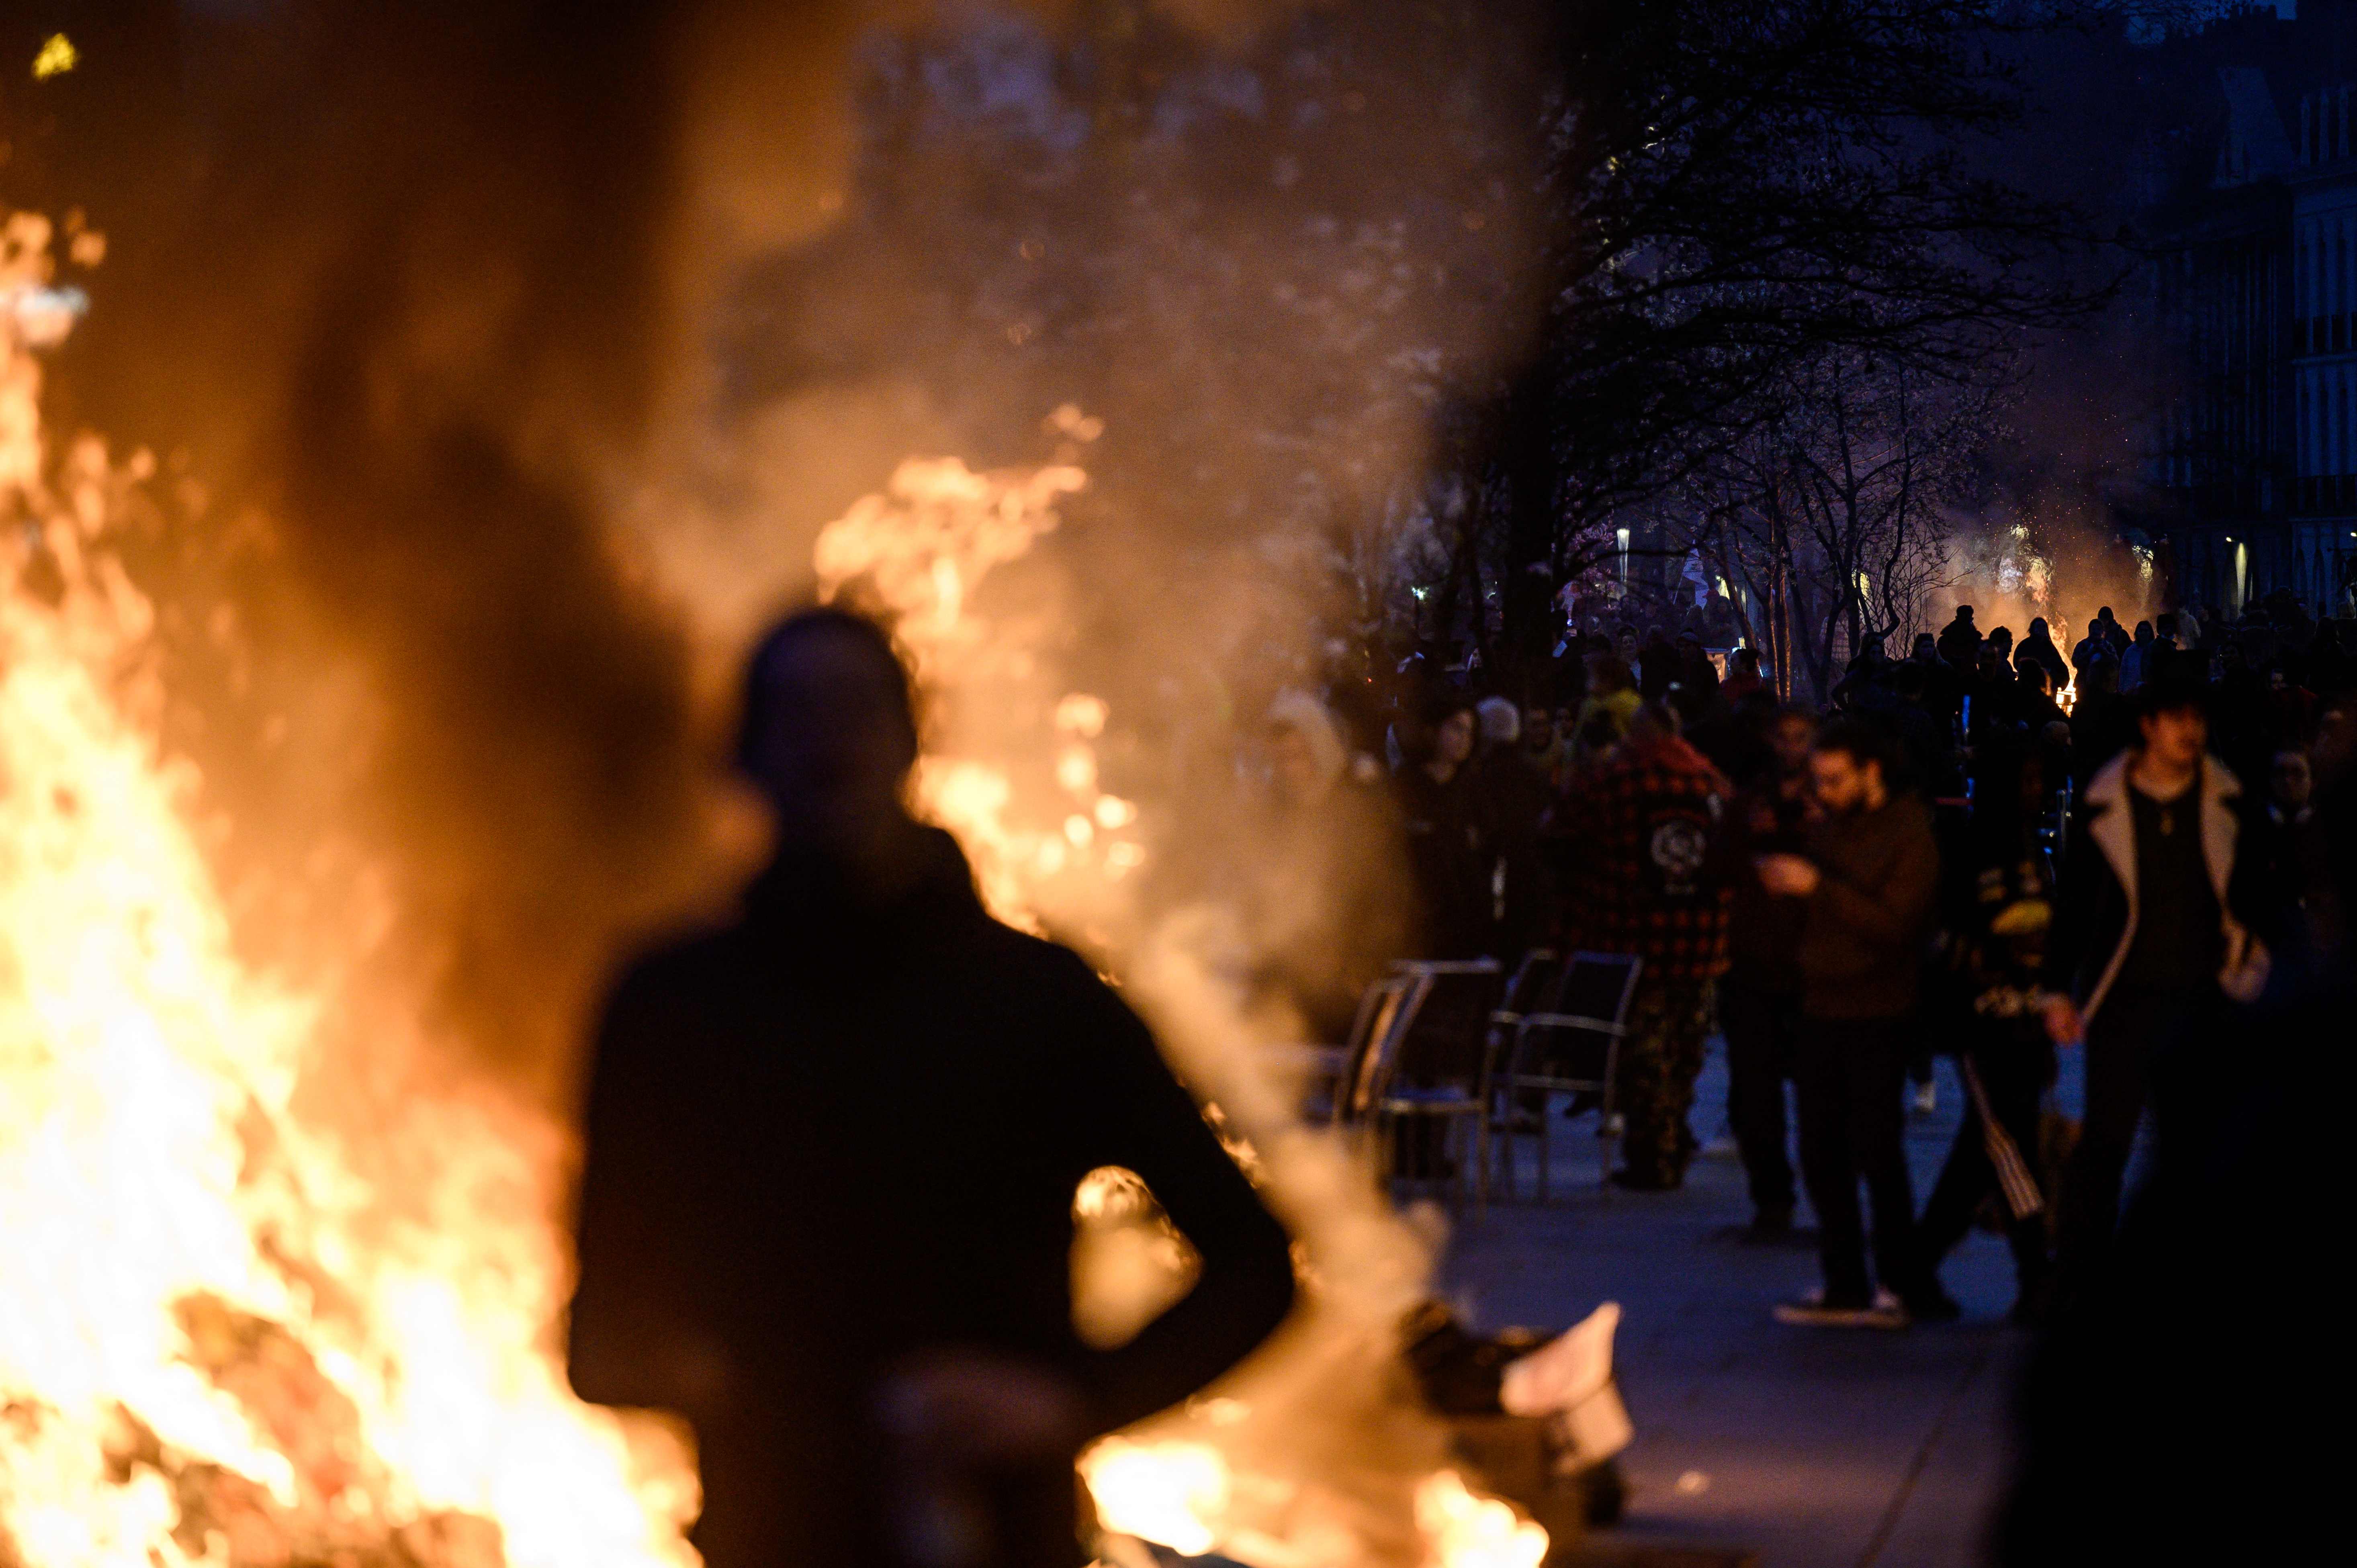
{"points": [[1995, 956], [1644, 823], [831, 1151], [1867, 886], [2154, 938], [1759, 996]]}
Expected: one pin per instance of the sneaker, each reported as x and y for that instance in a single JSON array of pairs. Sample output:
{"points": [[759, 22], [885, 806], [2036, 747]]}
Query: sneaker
{"points": [[1814, 1310], [1927, 1099]]}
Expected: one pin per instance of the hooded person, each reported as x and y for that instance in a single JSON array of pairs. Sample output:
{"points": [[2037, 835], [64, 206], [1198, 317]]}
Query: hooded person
{"points": [[831, 1147]]}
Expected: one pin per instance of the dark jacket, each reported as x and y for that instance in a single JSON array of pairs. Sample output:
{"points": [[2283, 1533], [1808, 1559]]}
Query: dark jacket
{"points": [[2096, 918], [1763, 938], [1959, 643], [827, 1137], [1864, 929], [1452, 848], [2037, 648]]}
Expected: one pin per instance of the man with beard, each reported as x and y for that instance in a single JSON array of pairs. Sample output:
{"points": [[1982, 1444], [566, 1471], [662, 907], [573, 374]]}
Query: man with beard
{"points": [[832, 1151], [1867, 887]]}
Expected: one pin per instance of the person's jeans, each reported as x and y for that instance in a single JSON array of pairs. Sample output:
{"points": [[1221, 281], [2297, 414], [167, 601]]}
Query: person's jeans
{"points": [[2132, 1041], [1852, 1077], [1762, 1029]]}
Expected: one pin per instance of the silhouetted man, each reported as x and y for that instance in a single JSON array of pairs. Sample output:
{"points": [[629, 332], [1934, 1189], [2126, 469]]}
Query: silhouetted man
{"points": [[1960, 640], [832, 1150]]}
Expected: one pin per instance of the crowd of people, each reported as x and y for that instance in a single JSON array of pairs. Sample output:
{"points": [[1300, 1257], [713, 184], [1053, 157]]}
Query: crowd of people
{"points": [[1989, 849]]}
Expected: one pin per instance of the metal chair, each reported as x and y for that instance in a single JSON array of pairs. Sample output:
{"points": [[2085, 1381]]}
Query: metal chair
{"points": [[1572, 1046], [1334, 1070], [1433, 1064]]}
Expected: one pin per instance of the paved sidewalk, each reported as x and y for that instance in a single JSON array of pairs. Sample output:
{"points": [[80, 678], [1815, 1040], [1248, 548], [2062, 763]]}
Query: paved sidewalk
{"points": [[1819, 1448]]}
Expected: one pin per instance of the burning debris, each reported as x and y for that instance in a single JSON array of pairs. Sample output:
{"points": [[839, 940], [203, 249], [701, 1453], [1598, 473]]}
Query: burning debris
{"points": [[220, 1341]]}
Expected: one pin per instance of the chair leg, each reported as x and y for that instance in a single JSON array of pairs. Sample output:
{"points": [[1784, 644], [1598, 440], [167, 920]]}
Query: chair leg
{"points": [[1607, 1107], [1482, 1161], [1547, 1122]]}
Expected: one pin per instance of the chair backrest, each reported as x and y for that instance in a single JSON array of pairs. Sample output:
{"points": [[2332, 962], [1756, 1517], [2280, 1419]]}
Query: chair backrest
{"points": [[1446, 1041], [1598, 985], [1385, 1012], [1588, 1011], [1534, 978]]}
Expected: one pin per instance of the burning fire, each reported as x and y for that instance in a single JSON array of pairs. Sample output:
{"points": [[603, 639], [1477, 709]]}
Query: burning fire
{"points": [[1011, 766], [221, 1344], [218, 1344]]}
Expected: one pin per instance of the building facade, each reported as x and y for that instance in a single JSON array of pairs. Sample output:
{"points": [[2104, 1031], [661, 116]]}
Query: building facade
{"points": [[2321, 539], [2251, 235]]}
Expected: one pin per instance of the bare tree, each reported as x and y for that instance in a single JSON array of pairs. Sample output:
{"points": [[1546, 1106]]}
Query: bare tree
{"points": [[1831, 514]]}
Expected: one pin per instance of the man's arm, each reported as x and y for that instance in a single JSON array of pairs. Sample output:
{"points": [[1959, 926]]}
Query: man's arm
{"points": [[1135, 1114]]}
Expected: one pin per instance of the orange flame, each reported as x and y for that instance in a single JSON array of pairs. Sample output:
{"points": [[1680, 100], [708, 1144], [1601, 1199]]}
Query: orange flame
{"points": [[215, 1346]]}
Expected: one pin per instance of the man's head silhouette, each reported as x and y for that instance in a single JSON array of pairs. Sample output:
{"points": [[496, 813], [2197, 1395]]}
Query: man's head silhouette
{"points": [[829, 736]]}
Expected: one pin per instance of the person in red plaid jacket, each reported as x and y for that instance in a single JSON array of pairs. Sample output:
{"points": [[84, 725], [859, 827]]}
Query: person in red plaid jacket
{"points": [[1645, 879]]}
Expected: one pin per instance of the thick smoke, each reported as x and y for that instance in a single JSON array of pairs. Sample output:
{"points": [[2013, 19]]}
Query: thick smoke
{"points": [[504, 362]]}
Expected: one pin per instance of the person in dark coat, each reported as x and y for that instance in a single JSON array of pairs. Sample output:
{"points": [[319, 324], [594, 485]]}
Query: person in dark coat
{"points": [[2037, 648], [1452, 845], [2152, 942], [2105, 638], [2170, 1417], [1867, 890], [1960, 641], [831, 1151], [1760, 997]]}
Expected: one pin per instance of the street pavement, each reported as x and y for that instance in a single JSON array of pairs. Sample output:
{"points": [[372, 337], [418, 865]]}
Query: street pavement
{"points": [[1816, 1448]]}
